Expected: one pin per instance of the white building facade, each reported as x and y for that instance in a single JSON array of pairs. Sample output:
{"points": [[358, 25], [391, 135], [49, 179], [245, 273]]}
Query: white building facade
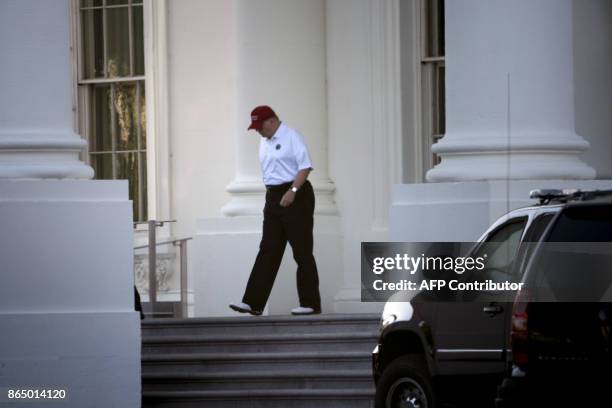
{"points": [[425, 120], [506, 92], [524, 109]]}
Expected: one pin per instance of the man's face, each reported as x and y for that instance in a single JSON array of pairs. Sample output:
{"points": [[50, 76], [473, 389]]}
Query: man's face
{"points": [[268, 127]]}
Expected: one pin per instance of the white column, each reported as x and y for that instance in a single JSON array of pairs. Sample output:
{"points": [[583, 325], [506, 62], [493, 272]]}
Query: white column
{"points": [[66, 299], [509, 93], [510, 121], [36, 136], [280, 61]]}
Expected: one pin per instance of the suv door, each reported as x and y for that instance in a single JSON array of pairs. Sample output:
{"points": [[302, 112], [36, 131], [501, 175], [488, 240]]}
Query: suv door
{"points": [[470, 335]]}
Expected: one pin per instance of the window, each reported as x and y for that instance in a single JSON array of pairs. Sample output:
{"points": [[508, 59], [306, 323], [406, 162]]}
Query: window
{"points": [[111, 92], [500, 249], [432, 78], [532, 237]]}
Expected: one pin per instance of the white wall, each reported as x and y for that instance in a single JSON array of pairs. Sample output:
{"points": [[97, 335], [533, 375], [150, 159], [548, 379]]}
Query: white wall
{"points": [[203, 110], [593, 84], [201, 88]]}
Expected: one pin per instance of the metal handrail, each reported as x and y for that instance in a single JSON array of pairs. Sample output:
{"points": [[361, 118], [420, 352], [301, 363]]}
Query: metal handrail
{"points": [[164, 242], [152, 245], [157, 223]]}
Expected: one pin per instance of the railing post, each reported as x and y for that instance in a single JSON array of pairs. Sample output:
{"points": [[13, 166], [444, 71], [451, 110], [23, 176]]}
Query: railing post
{"points": [[152, 266], [183, 260]]}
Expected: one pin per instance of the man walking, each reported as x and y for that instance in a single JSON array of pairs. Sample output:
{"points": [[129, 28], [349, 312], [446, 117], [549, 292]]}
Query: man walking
{"points": [[288, 216]]}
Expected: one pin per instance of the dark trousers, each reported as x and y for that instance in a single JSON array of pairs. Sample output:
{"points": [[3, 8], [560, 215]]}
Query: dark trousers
{"points": [[282, 224]]}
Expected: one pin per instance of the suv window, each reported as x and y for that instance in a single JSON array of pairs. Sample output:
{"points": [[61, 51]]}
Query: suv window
{"points": [[537, 227], [533, 235], [575, 263], [584, 224], [500, 248]]}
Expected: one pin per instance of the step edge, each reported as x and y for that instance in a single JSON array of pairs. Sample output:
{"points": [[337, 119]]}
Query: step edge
{"points": [[246, 338], [345, 355], [261, 375], [276, 394], [370, 317]]}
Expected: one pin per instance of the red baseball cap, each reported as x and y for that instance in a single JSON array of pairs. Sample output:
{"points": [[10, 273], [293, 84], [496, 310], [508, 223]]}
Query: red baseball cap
{"points": [[259, 115]]}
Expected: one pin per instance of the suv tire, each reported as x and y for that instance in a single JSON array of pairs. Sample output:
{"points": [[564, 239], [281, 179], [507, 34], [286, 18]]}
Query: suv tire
{"points": [[406, 377]]}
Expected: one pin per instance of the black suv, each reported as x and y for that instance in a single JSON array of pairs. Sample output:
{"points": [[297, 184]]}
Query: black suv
{"points": [[430, 353], [561, 340]]}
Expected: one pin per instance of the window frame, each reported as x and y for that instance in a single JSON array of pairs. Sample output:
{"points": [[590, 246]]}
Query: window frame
{"points": [[432, 60], [417, 92], [156, 90]]}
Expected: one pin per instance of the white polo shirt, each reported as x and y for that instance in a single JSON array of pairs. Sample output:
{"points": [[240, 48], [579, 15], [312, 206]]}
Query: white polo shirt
{"points": [[283, 156]]}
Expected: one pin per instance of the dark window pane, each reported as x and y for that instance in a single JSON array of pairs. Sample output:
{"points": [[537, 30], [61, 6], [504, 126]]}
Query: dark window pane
{"points": [[100, 119], [441, 100], [584, 224], [118, 42], [434, 11], [143, 196], [143, 117], [537, 228], [91, 3], [138, 41], [116, 2], [127, 169], [440, 22], [103, 166], [93, 43], [126, 116]]}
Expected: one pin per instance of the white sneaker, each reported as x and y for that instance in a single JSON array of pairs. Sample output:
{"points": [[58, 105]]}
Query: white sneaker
{"points": [[304, 311], [244, 308]]}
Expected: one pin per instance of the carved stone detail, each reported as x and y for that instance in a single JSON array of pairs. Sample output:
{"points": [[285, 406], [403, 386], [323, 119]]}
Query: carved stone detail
{"points": [[165, 268]]}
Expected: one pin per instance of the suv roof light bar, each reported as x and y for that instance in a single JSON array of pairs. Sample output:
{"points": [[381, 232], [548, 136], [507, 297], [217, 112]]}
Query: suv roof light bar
{"points": [[547, 196]]}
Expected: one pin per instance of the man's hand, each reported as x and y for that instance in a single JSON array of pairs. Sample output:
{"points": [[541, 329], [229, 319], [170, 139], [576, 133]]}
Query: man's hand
{"points": [[287, 199]]}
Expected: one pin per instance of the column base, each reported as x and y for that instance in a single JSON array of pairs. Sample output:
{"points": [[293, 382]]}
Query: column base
{"points": [[47, 154], [248, 198], [537, 156], [66, 298]]}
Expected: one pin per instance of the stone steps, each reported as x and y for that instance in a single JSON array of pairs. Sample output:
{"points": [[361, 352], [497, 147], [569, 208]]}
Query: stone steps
{"points": [[257, 380], [345, 360], [262, 324], [271, 361], [361, 398], [259, 342]]}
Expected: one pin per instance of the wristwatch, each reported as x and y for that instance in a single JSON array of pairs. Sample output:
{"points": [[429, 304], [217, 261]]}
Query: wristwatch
{"points": [[294, 189]]}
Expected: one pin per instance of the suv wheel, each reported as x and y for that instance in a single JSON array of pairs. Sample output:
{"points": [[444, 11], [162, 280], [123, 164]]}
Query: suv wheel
{"points": [[405, 383]]}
